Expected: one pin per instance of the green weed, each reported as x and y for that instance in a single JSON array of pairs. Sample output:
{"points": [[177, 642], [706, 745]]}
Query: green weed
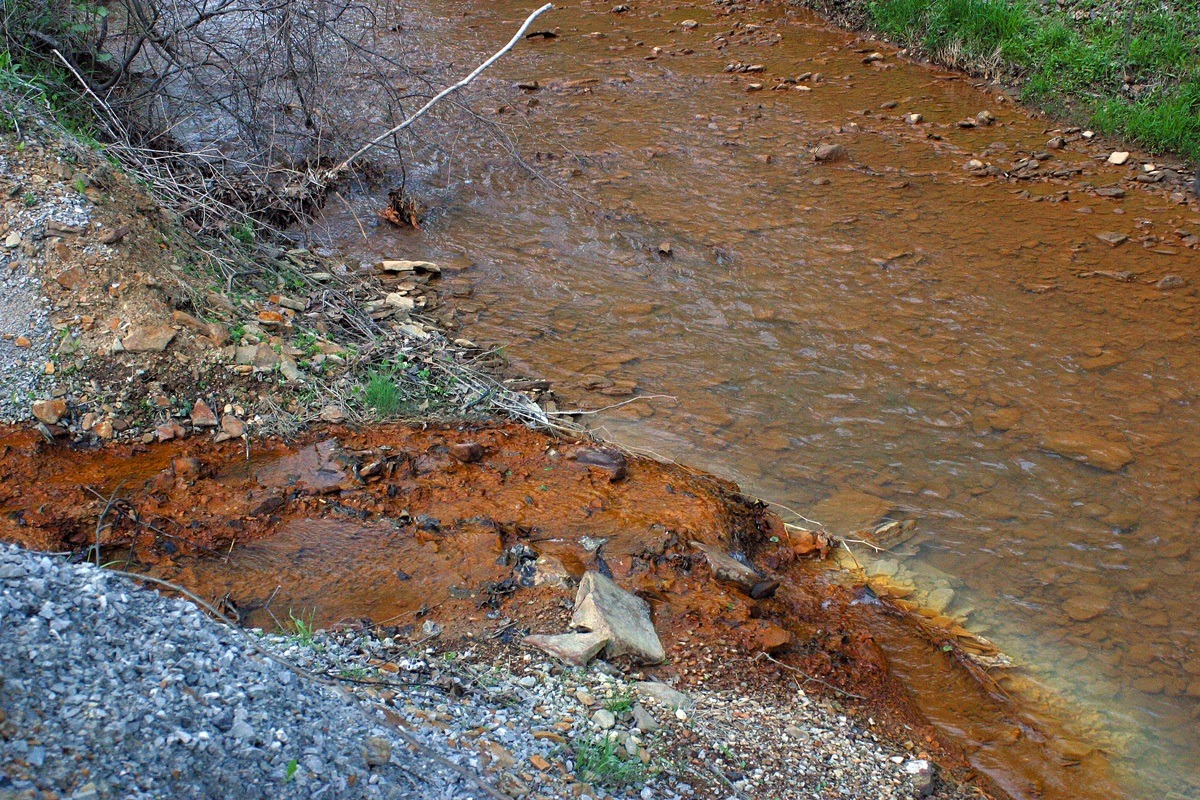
{"points": [[243, 232], [300, 628], [620, 703], [601, 760], [290, 772]]}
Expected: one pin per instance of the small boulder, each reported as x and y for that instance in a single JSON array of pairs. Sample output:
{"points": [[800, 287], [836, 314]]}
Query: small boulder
{"points": [[50, 411], [829, 152], [467, 452], [148, 339], [601, 606], [608, 459], [203, 416]]}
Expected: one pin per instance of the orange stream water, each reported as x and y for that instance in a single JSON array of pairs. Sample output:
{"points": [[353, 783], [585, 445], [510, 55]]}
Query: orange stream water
{"points": [[886, 324]]}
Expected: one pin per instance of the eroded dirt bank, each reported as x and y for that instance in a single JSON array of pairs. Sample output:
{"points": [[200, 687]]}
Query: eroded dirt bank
{"points": [[481, 531]]}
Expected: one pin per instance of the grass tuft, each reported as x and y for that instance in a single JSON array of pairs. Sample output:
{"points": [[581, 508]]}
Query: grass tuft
{"points": [[601, 760], [1133, 72]]}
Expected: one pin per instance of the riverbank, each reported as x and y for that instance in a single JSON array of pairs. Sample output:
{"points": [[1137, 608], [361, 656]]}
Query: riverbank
{"points": [[1126, 69], [170, 703], [154, 391]]}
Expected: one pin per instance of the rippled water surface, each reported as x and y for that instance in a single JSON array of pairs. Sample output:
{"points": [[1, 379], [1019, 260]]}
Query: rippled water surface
{"points": [[884, 335]]}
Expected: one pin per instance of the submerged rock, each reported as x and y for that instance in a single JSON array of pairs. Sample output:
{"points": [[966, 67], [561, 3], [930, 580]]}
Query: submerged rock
{"points": [[1088, 449]]}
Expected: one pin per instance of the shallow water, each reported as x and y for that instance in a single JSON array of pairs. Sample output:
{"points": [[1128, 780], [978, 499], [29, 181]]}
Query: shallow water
{"points": [[886, 324]]}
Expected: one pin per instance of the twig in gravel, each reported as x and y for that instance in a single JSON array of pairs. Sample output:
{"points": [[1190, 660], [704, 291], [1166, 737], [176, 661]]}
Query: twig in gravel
{"points": [[808, 677], [717, 770], [267, 607]]}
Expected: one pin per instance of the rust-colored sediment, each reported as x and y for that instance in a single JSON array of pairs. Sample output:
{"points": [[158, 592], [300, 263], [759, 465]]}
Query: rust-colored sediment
{"points": [[399, 524]]}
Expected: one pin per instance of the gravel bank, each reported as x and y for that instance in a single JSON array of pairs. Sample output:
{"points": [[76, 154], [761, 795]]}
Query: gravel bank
{"points": [[109, 690]]}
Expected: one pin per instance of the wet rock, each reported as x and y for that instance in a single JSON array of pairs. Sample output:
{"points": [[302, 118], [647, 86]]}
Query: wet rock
{"points": [[601, 606], [377, 751], [576, 649], [985, 117], [1056, 143], [1089, 449], [1169, 282], [1112, 238], [668, 696], [607, 459], [148, 339], [401, 265], [850, 511], [829, 152], [727, 568], [203, 416], [764, 590], [50, 411], [1111, 191], [467, 452]]}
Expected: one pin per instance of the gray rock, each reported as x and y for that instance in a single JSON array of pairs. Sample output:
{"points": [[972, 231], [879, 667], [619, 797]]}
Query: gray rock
{"points": [[643, 719], [603, 607], [576, 649], [605, 719], [668, 696]]}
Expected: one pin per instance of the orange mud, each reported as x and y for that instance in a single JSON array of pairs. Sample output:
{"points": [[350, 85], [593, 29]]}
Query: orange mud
{"points": [[398, 525]]}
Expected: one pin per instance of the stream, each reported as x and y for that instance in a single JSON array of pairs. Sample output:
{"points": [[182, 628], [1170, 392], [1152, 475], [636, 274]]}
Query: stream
{"points": [[884, 335]]}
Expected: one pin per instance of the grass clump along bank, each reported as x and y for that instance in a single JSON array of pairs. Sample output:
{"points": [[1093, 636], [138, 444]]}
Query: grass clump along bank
{"points": [[1128, 68]]}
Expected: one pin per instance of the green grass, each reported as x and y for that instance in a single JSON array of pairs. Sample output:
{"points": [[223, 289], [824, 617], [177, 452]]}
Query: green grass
{"points": [[601, 760], [300, 628], [620, 703], [382, 395], [1137, 76]]}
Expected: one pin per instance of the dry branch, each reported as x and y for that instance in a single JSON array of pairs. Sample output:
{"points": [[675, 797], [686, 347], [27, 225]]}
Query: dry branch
{"points": [[340, 168]]}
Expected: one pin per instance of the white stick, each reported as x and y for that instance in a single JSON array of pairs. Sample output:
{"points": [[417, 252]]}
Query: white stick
{"points": [[448, 90]]}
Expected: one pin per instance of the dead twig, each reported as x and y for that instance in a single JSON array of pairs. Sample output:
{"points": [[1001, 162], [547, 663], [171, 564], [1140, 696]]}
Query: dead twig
{"points": [[345, 164], [808, 677], [107, 507]]}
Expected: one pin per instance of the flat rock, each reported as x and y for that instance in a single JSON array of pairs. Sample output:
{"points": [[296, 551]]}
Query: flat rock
{"points": [[669, 696], [727, 568], [849, 511], [601, 606], [148, 339], [608, 459], [576, 649], [1083, 607], [203, 416], [1112, 238], [1089, 449]]}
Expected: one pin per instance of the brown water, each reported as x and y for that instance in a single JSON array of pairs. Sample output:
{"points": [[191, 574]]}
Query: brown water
{"points": [[887, 324]]}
